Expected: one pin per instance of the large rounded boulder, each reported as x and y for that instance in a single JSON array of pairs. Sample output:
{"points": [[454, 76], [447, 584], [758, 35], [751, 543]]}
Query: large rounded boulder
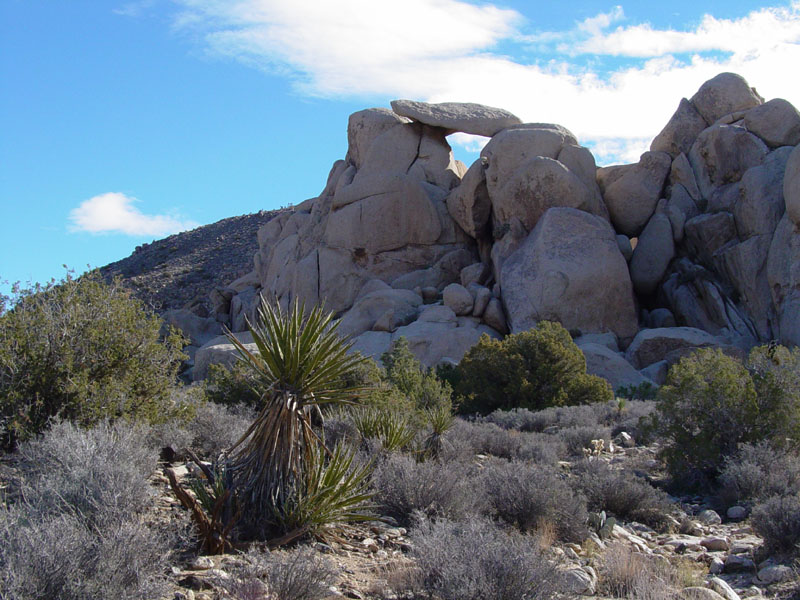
{"points": [[570, 269]]}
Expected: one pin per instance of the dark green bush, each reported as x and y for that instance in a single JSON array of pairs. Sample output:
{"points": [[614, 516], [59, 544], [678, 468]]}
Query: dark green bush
{"points": [[534, 369], [712, 403], [232, 385], [412, 380], [82, 350]]}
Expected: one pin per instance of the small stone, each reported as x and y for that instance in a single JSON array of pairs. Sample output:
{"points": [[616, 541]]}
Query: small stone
{"points": [[458, 298], [738, 562], [775, 574], [723, 589], [717, 566], [626, 440], [709, 517], [201, 563], [193, 582], [382, 554], [698, 593], [183, 595], [715, 544], [578, 581], [736, 513]]}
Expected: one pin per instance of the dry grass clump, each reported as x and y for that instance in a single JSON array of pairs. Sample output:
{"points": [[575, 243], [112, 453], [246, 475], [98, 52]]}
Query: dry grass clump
{"points": [[532, 497], [625, 573], [477, 561], [301, 574], [622, 494], [404, 486]]}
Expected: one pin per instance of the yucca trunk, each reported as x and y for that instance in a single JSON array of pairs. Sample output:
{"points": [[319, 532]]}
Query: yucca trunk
{"points": [[269, 460]]}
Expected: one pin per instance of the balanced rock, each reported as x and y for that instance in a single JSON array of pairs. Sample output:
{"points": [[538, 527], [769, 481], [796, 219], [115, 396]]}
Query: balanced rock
{"points": [[776, 122], [783, 273], [722, 153], [512, 147], [220, 351], [362, 129], [466, 117], [760, 204], [631, 192], [469, 203], [610, 365], [652, 345], [653, 253], [538, 184], [791, 186], [570, 270], [458, 298], [395, 307], [681, 130], [724, 94]]}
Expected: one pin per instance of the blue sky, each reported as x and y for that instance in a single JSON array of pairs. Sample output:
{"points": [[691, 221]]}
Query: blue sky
{"points": [[121, 122]]}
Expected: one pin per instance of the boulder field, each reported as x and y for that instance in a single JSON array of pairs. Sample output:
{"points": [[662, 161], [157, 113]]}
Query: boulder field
{"points": [[697, 244]]}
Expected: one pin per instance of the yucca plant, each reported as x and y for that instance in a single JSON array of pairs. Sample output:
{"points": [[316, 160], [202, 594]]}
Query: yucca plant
{"points": [[394, 431], [440, 419], [334, 491], [300, 364]]}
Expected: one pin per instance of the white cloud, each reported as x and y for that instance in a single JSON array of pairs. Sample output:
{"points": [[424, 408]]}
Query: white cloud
{"points": [[114, 212], [756, 32], [447, 50]]}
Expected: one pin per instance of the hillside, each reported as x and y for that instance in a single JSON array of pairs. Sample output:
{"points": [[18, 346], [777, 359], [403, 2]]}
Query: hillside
{"points": [[180, 270]]}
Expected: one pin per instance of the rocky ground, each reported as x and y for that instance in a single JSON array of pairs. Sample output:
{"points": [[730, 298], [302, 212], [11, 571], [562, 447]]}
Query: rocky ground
{"points": [[180, 270], [715, 556]]}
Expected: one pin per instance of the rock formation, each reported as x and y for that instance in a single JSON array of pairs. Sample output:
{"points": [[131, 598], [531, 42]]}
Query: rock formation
{"points": [[696, 244]]}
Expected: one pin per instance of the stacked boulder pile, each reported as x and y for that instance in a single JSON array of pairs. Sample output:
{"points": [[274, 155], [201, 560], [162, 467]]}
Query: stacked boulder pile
{"points": [[697, 244]]}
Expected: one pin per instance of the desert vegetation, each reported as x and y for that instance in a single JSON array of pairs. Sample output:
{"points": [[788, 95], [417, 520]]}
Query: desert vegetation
{"points": [[306, 471]]}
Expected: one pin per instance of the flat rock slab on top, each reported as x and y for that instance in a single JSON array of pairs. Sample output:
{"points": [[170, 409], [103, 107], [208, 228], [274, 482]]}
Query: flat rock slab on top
{"points": [[465, 117]]}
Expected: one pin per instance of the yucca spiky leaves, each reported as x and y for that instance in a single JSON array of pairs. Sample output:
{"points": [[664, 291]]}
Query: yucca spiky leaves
{"points": [[300, 364]]}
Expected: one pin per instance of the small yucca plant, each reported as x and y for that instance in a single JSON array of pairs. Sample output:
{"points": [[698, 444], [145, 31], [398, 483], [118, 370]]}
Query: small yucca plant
{"points": [[394, 431], [301, 363]]}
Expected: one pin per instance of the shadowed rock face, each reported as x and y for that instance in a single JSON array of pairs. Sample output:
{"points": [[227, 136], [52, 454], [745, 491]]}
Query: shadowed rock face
{"points": [[695, 244]]}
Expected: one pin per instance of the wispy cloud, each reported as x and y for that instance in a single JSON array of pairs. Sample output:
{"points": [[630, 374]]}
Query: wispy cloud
{"points": [[447, 50], [115, 212]]}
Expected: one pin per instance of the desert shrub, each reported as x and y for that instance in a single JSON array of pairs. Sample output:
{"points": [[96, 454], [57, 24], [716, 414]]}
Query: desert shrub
{"points": [[82, 350], [403, 486], [622, 494], [579, 437], [534, 369], [412, 380], [521, 419], [476, 561], [217, 427], [623, 573], [532, 497], [59, 557], [98, 474], [757, 472], [777, 520], [301, 574], [232, 385], [541, 448], [74, 528], [488, 438], [712, 402]]}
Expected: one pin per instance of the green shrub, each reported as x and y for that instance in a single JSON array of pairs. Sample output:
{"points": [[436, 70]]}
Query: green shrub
{"points": [[412, 380], [712, 403], [232, 386], [533, 369], [82, 350]]}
